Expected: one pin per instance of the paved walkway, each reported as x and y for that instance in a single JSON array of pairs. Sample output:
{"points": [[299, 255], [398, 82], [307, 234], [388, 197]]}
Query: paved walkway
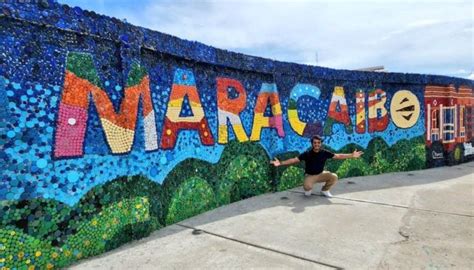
{"points": [[409, 220]]}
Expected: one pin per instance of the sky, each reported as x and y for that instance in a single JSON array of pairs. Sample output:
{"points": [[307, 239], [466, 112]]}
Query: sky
{"points": [[427, 37]]}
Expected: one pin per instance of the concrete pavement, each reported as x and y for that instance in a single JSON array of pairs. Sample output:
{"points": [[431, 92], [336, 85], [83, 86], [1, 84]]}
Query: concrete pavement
{"points": [[408, 220]]}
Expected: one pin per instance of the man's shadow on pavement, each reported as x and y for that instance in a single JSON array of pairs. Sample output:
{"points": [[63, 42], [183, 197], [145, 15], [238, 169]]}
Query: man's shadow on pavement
{"points": [[300, 201]]}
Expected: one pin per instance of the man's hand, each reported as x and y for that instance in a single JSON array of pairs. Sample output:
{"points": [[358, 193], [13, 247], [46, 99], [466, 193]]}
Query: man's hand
{"points": [[357, 154], [275, 162]]}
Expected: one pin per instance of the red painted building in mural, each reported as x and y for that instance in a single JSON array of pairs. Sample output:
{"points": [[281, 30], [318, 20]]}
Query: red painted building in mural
{"points": [[449, 122]]}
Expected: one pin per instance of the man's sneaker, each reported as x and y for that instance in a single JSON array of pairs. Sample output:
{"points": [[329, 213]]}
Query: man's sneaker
{"points": [[326, 193], [307, 193]]}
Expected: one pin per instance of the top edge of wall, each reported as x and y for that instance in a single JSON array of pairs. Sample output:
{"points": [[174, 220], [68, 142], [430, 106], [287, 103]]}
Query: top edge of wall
{"points": [[74, 19]]}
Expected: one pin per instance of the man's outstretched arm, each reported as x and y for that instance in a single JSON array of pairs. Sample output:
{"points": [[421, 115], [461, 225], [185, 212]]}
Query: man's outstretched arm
{"points": [[355, 154], [290, 161]]}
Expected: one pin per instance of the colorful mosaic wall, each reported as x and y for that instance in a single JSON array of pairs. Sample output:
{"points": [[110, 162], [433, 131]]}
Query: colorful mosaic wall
{"points": [[110, 131]]}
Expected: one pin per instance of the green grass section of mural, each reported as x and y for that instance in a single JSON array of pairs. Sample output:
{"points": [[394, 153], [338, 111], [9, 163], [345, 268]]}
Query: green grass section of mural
{"points": [[353, 167], [241, 172], [286, 177], [21, 250], [405, 155], [192, 197], [292, 177], [47, 233], [54, 221], [249, 176]]}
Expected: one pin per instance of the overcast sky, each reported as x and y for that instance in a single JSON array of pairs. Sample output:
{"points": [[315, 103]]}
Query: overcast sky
{"points": [[429, 37]]}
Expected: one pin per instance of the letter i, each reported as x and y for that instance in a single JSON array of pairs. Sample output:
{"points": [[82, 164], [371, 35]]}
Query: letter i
{"points": [[360, 111]]}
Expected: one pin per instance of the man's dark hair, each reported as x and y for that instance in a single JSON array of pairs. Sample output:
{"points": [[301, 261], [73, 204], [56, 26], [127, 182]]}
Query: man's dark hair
{"points": [[316, 137]]}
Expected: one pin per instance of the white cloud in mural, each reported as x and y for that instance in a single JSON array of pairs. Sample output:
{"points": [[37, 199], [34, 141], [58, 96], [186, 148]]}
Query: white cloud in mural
{"points": [[404, 36]]}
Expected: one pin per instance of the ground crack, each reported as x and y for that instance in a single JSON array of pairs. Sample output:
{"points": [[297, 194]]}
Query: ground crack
{"points": [[403, 232]]}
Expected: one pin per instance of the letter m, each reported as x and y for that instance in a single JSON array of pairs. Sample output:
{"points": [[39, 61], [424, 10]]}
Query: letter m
{"points": [[82, 84]]}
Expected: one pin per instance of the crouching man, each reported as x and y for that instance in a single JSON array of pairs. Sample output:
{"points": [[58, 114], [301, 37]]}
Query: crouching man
{"points": [[315, 159]]}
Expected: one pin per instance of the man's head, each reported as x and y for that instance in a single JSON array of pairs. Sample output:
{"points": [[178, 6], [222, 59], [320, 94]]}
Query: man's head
{"points": [[316, 143]]}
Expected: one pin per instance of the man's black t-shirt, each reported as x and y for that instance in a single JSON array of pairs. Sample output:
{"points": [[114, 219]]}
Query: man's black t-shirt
{"points": [[315, 161]]}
